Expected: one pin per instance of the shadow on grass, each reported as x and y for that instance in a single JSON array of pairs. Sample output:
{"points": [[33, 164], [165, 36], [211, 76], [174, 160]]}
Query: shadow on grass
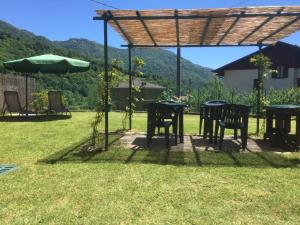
{"points": [[78, 152], [138, 154], [34, 118]]}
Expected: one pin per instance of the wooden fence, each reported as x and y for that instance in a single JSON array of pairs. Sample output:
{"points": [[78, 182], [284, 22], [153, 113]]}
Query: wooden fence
{"points": [[10, 82]]}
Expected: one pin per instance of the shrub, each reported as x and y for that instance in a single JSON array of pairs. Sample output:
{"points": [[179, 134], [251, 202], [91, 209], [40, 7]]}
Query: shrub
{"points": [[40, 101]]}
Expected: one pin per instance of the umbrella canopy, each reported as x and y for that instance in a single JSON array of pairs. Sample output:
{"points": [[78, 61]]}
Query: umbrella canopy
{"points": [[47, 64]]}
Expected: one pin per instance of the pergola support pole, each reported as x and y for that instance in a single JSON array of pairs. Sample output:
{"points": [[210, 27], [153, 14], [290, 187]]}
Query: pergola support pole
{"points": [[259, 80], [130, 87], [106, 84], [178, 80]]}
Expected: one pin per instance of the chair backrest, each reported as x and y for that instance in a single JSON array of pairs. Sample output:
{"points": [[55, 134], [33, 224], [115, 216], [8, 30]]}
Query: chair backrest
{"points": [[55, 101], [157, 113], [12, 101], [209, 111], [234, 115], [215, 102]]}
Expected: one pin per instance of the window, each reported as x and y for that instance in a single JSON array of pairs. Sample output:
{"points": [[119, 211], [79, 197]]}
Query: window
{"points": [[298, 82], [282, 72], [255, 84]]}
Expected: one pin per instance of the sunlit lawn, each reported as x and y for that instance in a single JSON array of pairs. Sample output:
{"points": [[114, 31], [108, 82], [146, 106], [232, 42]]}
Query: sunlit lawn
{"points": [[124, 186]]}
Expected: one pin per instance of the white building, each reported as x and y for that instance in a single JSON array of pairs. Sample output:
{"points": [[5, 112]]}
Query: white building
{"points": [[241, 75]]}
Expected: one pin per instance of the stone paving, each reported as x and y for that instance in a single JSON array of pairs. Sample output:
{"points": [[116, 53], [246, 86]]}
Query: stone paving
{"points": [[192, 143]]}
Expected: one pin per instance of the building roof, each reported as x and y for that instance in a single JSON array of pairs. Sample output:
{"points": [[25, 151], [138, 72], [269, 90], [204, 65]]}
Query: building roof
{"points": [[139, 83], [280, 54], [203, 27]]}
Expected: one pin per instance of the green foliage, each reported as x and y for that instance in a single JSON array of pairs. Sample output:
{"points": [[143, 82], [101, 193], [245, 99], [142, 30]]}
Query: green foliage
{"points": [[262, 62], [159, 68], [167, 95], [114, 77], [215, 90], [138, 64], [40, 101]]}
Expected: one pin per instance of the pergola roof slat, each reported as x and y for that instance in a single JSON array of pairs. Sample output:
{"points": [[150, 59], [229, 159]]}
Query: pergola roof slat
{"points": [[280, 29], [230, 28], [205, 27], [177, 27], [119, 27], [205, 30], [146, 28]]}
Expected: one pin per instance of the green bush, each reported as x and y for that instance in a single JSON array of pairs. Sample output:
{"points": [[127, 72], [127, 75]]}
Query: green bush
{"points": [[40, 101], [215, 90]]}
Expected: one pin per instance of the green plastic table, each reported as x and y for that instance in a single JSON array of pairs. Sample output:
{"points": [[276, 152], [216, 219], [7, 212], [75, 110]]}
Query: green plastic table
{"points": [[280, 134]]}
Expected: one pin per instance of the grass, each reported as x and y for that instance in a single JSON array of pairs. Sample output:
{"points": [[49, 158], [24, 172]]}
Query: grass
{"points": [[124, 186]]}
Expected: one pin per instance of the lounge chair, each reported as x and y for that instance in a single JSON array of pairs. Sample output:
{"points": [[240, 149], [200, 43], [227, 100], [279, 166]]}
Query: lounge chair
{"points": [[13, 105], [55, 103]]}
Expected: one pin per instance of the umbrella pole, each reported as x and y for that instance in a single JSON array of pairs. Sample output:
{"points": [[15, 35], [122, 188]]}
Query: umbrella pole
{"points": [[26, 93]]}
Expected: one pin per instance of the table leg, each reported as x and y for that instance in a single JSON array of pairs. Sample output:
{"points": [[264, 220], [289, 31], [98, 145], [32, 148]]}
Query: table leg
{"points": [[181, 125], [287, 123], [269, 124], [298, 130]]}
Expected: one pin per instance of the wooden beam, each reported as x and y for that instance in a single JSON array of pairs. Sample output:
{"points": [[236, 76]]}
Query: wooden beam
{"points": [[203, 36], [119, 26], [145, 26], [256, 29], [230, 28], [177, 27], [250, 15], [194, 46], [280, 29]]}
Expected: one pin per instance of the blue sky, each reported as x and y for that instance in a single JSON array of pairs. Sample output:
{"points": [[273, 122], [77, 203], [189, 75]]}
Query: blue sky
{"points": [[64, 19]]}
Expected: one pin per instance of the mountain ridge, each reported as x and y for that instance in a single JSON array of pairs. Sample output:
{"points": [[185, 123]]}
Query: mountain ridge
{"points": [[160, 65]]}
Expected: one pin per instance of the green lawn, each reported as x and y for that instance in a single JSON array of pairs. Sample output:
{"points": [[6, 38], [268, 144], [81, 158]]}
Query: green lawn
{"points": [[124, 186]]}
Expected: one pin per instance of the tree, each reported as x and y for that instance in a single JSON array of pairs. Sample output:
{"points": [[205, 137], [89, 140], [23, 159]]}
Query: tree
{"points": [[263, 63]]}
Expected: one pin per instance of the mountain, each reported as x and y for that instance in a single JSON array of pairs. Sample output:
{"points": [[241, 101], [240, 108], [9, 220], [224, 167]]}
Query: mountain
{"points": [[159, 63], [16, 43]]}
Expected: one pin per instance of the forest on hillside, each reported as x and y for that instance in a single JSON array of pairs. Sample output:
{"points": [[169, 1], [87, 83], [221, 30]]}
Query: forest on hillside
{"points": [[80, 88]]}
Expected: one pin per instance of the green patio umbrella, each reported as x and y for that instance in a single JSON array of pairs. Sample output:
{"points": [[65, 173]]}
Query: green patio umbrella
{"points": [[46, 64]]}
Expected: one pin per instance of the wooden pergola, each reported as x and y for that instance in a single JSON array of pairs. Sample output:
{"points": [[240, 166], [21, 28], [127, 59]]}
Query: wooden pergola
{"points": [[218, 27]]}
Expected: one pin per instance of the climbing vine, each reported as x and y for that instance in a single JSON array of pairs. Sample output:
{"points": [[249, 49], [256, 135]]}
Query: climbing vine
{"points": [[138, 64], [264, 64], [114, 76]]}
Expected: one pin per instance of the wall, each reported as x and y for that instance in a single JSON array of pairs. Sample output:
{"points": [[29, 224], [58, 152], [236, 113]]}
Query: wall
{"points": [[16, 83], [242, 80]]}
